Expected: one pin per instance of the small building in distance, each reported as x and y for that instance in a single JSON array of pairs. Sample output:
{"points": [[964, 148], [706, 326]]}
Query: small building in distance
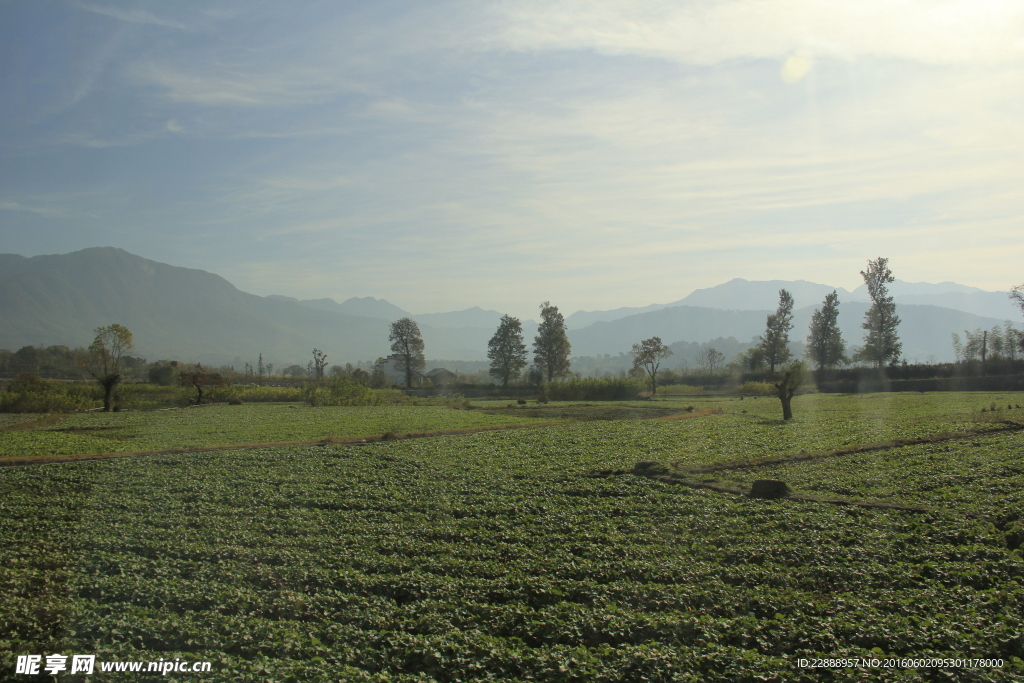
{"points": [[441, 377]]}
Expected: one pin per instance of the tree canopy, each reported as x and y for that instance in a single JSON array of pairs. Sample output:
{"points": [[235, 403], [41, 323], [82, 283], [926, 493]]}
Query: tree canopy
{"points": [[506, 350], [648, 355], [407, 345], [881, 342], [825, 345], [551, 345], [107, 352], [775, 342]]}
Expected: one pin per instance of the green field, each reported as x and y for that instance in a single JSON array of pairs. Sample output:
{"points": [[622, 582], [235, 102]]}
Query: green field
{"points": [[491, 556]]}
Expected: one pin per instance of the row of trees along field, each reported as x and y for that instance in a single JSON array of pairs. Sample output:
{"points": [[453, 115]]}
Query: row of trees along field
{"points": [[506, 350], [108, 359]]}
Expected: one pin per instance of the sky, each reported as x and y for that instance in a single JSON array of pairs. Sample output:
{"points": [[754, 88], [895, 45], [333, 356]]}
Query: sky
{"points": [[498, 154]]}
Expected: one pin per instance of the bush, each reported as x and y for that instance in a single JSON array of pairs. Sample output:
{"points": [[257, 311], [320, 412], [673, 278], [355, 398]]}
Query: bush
{"points": [[256, 394], [758, 389], [342, 391], [678, 390], [29, 394], [594, 389]]}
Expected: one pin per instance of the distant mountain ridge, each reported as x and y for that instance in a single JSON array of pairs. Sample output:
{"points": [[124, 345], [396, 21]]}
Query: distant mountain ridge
{"points": [[188, 314], [763, 295]]}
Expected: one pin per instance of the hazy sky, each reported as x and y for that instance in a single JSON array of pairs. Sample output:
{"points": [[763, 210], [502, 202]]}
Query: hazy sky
{"points": [[449, 154]]}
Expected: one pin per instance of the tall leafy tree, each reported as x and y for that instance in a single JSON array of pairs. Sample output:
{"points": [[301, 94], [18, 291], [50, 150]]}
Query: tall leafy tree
{"points": [[506, 350], [775, 342], [881, 341], [107, 354], [407, 345], [551, 345], [648, 355], [825, 345]]}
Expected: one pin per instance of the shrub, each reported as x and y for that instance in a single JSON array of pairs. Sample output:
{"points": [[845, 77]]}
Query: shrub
{"points": [[29, 394], [758, 389], [678, 389], [342, 391], [594, 389]]}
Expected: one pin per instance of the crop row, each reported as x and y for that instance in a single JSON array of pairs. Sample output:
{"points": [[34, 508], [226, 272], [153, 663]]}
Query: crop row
{"points": [[482, 557]]}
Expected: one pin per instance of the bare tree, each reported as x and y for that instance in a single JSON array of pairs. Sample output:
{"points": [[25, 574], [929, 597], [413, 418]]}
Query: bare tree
{"points": [[1017, 294], [107, 353], [407, 344], [319, 363], [710, 360], [648, 355]]}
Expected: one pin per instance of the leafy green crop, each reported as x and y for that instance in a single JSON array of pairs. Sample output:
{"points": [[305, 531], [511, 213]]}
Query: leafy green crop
{"points": [[489, 557], [463, 558]]}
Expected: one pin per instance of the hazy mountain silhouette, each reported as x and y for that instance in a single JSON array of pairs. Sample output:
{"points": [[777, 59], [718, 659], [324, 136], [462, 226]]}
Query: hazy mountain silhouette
{"points": [[189, 314], [763, 295]]}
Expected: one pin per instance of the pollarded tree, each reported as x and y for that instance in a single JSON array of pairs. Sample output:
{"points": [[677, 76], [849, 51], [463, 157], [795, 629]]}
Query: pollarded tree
{"points": [[775, 342], [825, 345], [648, 355], [506, 350], [881, 342], [407, 345], [551, 345], [792, 378], [107, 353]]}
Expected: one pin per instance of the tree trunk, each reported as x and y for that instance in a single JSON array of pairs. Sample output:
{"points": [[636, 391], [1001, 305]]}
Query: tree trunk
{"points": [[787, 407], [108, 383]]}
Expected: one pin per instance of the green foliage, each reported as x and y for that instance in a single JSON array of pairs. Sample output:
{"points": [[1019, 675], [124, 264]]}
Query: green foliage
{"points": [[29, 394], [343, 391], [107, 354], [758, 389], [680, 390], [484, 557], [594, 389], [163, 373], [775, 342], [647, 355], [881, 342], [407, 345], [506, 350], [551, 345], [825, 346]]}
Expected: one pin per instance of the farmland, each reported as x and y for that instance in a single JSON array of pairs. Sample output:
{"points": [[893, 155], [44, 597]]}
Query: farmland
{"points": [[492, 556]]}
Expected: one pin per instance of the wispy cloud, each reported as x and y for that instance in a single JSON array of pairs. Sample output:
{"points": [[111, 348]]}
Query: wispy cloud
{"points": [[135, 15], [713, 32], [48, 212], [227, 86]]}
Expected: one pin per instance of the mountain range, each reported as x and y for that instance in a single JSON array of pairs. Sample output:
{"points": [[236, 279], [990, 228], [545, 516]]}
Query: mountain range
{"points": [[194, 315]]}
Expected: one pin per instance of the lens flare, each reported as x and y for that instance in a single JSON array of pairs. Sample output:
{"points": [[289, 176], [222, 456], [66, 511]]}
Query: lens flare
{"points": [[796, 67]]}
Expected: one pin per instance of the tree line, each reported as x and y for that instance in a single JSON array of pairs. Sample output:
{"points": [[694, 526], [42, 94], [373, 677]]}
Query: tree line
{"points": [[109, 355]]}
